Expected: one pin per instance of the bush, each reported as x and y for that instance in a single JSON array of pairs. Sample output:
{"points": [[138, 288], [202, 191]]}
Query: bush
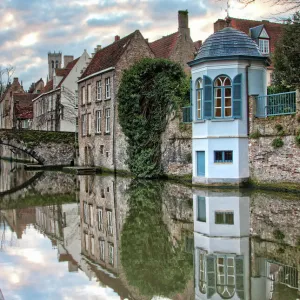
{"points": [[278, 127], [297, 140], [255, 135], [277, 143]]}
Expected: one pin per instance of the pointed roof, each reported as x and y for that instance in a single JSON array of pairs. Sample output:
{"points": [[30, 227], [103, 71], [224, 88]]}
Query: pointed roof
{"points": [[48, 87], [108, 56], [24, 105], [68, 69], [163, 47]]}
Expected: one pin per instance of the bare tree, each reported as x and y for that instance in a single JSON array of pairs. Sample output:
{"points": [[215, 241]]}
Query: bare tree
{"points": [[287, 5], [6, 74]]}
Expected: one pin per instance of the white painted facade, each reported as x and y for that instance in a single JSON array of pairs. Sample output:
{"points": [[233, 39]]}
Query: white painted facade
{"points": [[222, 251], [225, 134]]}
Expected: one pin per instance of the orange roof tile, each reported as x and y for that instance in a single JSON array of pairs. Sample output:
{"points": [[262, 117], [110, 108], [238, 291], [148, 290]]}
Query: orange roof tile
{"points": [[163, 47], [108, 56]]}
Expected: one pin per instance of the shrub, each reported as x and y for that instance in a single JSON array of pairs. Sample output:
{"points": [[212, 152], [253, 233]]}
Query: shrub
{"points": [[277, 143], [278, 234], [278, 127], [255, 135]]}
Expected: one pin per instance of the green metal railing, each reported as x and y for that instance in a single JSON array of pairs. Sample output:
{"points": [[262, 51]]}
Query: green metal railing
{"points": [[276, 104], [187, 114]]}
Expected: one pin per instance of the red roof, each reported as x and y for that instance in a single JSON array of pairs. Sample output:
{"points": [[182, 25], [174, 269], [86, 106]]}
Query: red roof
{"points": [[48, 87], [163, 47], [274, 30], [198, 45], [24, 105], [108, 56], [68, 69]]}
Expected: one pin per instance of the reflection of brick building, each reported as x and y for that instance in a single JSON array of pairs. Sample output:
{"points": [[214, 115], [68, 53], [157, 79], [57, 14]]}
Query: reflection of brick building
{"points": [[265, 33]]}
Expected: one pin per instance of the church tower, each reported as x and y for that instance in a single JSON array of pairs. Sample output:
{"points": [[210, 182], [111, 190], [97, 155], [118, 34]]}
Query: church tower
{"points": [[54, 62]]}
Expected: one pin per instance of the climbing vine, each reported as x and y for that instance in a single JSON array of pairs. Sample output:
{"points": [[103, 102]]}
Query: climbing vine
{"points": [[149, 91]]}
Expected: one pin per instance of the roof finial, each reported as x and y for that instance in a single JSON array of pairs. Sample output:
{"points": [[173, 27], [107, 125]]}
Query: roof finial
{"points": [[227, 9]]}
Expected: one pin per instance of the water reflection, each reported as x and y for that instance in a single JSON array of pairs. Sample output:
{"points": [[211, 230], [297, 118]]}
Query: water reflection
{"points": [[121, 239]]}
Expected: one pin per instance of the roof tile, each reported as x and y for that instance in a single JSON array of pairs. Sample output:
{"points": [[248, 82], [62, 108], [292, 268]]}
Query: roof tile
{"points": [[163, 47]]}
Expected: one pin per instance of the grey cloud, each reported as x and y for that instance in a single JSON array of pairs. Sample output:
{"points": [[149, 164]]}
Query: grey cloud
{"points": [[7, 35], [109, 21]]}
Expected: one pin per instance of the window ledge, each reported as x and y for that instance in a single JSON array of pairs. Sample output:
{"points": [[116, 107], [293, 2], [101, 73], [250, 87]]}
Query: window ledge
{"points": [[106, 99], [107, 133], [223, 163], [98, 100], [97, 133], [89, 103], [199, 121], [223, 120]]}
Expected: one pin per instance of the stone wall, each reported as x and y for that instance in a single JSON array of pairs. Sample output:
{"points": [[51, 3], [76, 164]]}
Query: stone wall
{"points": [[269, 164]]}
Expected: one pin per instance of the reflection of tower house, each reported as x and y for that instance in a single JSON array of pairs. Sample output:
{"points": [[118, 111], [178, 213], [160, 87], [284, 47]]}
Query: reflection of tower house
{"points": [[221, 233], [54, 62]]}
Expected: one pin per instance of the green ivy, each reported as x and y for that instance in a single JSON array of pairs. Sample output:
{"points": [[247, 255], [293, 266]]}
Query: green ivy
{"points": [[151, 261], [277, 143], [149, 91]]}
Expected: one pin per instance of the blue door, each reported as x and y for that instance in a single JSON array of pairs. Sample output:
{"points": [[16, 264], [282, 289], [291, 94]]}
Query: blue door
{"points": [[200, 163]]}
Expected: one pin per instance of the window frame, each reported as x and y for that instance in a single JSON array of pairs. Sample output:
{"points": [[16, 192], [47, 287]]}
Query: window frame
{"points": [[223, 160], [111, 252], [89, 124], [89, 93], [83, 95], [107, 88], [98, 121], [224, 220], [83, 125], [107, 120], [222, 97], [264, 44], [199, 100], [100, 218], [99, 90]]}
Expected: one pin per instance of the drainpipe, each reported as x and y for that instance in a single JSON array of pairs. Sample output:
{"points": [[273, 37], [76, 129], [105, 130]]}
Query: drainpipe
{"points": [[114, 123], [247, 95]]}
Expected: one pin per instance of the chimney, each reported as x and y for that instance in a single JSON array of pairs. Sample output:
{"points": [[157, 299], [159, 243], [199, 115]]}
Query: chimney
{"points": [[98, 47], [183, 22], [117, 38], [16, 80], [68, 59], [221, 24]]}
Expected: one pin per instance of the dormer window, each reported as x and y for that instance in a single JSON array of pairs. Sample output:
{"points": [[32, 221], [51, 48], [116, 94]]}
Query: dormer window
{"points": [[264, 46]]}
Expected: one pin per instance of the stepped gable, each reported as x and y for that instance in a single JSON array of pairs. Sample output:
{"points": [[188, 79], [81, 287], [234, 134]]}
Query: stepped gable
{"points": [[108, 56]]}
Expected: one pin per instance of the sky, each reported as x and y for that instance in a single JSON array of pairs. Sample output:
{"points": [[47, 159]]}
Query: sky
{"points": [[29, 29]]}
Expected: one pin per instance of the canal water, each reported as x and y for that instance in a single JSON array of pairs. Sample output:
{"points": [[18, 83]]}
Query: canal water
{"points": [[103, 237]]}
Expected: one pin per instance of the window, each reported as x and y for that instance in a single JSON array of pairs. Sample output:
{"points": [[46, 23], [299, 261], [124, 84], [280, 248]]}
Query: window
{"points": [[102, 149], [223, 157], [76, 99], [98, 121], [99, 90], [25, 124], [91, 215], [225, 276], [83, 124], [100, 219], [85, 213], [89, 124], [199, 98], [107, 88], [201, 209], [49, 103], [83, 95], [222, 97], [107, 120], [92, 245], [224, 217], [89, 93], [109, 222], [107, 154], [111, 254], [102, 250], [202, 272], [86, 241], [107, 189], [102, 193], [264, 46]]}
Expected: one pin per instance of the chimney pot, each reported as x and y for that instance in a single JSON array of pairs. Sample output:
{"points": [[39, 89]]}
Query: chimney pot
{"points": [[183, 19], [117, 38]]}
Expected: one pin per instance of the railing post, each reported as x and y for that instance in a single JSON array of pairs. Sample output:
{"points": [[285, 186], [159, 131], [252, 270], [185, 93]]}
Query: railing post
{"points": [[298, 102]]}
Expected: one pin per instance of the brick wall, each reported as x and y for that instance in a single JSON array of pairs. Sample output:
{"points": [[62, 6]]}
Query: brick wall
{"points": [[269, 164]]}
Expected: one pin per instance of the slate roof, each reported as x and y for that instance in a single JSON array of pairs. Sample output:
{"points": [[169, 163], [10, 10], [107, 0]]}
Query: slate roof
{"points": [[24, 105], [255, 31], [163, 47], [228, 42], [108, 56]]}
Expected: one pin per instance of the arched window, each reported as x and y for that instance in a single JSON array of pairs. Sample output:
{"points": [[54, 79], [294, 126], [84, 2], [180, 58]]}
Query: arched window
{"points": [[52, 62], [202, 273], [226, 276], [199, 89], [56, 65], [222, 97]]}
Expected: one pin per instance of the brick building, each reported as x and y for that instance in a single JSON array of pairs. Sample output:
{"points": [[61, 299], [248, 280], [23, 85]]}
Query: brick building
{"points": [[56, 107], [101, 141], [265, 33]]}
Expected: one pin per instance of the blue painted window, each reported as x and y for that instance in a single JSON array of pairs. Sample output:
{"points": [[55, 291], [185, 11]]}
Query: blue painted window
{"points": [[237, 96], [223, 156], [201, 209], [222, 97], [207, 97], [199, 90]]}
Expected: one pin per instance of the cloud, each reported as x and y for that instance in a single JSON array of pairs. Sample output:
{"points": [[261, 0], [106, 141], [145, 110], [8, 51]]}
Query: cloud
{"points": [[107, 20]]}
